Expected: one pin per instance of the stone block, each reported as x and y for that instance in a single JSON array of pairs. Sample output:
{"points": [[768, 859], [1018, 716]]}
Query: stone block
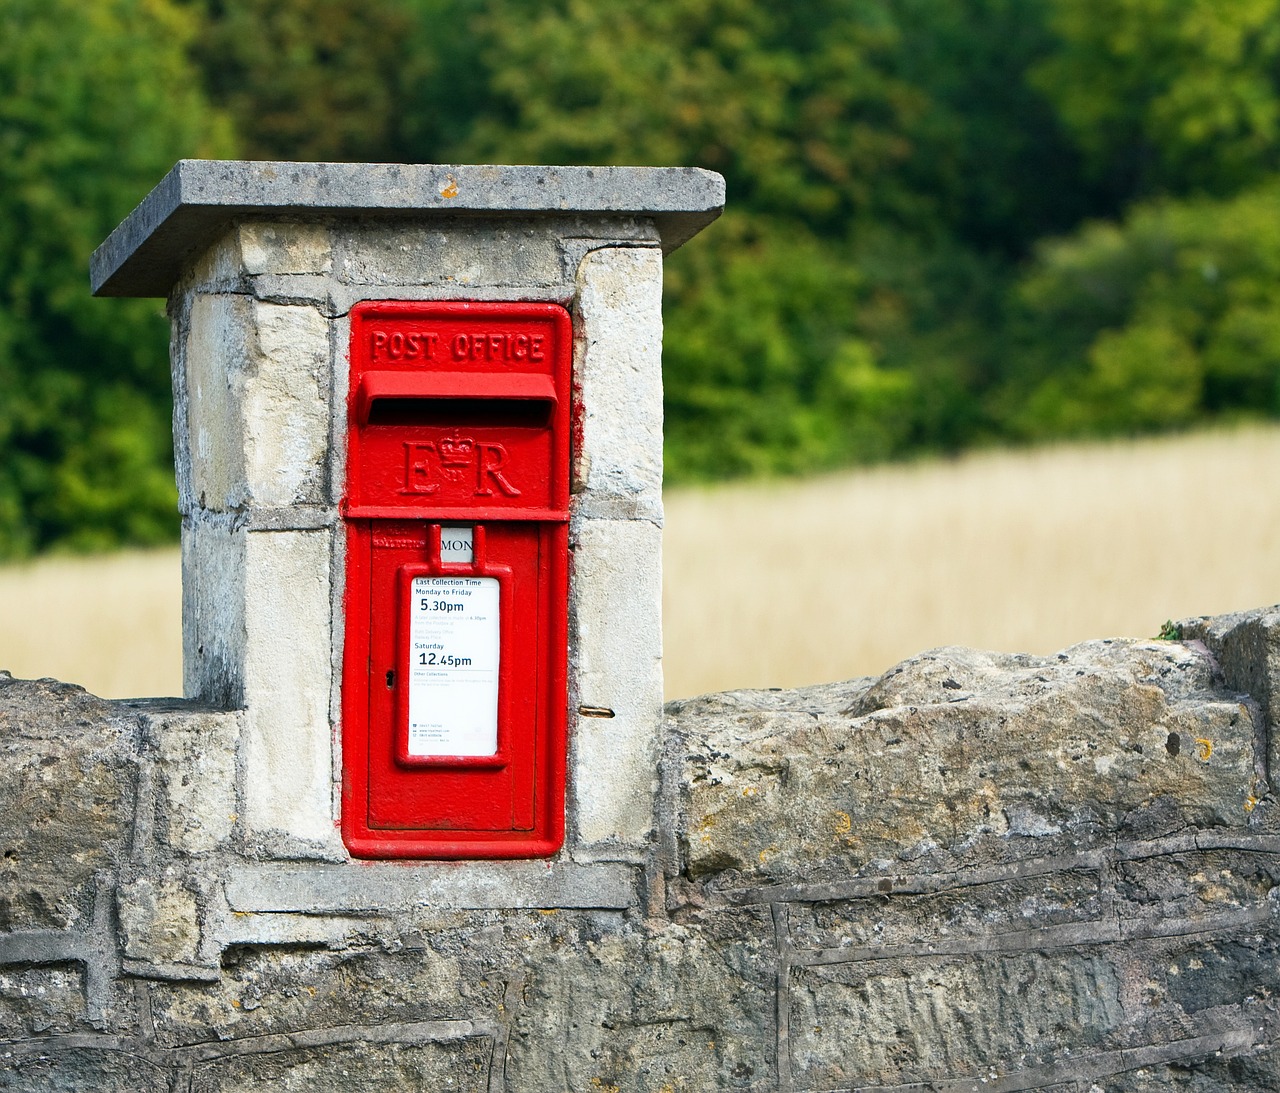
{"points": [[1196, 886], [196, 778], [219, 268], [212, 473], [353, 1067], [1212, 1070], [615, 625], [688, 1010], [396, 887], [1222, 971], [886, 1024], [159, 921], [255, 395], [68, 780], [519, 254], [284, 247], [256, 633], [73, 1068], [267, 992], [619, 368], [214, 628], [1247, 648], [956, 915], [240, 930], [286, 407], [953, 747], [39, 1000], [288, 748]]}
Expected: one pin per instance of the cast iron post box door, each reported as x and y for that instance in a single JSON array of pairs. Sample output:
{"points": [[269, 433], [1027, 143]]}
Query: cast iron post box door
{"points": [[454, 667]]}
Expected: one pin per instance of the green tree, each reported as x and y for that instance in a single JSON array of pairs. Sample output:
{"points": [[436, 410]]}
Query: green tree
{"points": [[893, 148], [96, 103], [891, 164], [765, 371], [830, 112], [789, 102], [385, 80], [1169, 96], [1171, 316], [989, 152]]}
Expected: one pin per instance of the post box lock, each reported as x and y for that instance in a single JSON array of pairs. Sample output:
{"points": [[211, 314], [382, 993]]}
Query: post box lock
{"points": [[454, 692]]}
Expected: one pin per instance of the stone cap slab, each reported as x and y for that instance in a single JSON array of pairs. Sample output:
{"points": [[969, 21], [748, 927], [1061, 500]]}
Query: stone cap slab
{"points": [[196, 200]]}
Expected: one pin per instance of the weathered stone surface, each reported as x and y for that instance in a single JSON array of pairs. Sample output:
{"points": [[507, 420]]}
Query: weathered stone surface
{"points": [[953, 746], [382, 887], [996, 908], [1258, 1073], [284, 247], [214, 627], [76, 1069], [254, 398], [619, 369], [1075, 902], [195, 780], [356, 1067], [467, 255], [286, 661], [159, 921], [191, 205], [267, 991], [615, 619], [68, 775], [1197, 884], [257, 624], [219, 268], [686, 1010], [1246, 647], [35, 1001], [889, 1023], [286, 412], [211, 465]]}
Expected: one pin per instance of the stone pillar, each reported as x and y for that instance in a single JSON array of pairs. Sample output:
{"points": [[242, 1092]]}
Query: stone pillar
{"points": [[261, 264]]}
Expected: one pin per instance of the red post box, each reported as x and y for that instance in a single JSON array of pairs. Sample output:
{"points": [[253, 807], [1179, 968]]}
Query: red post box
{"points": [[454, 669]]}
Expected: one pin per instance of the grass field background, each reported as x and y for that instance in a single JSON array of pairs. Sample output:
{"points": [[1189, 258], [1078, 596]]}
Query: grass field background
{"points": [[807, 581]]}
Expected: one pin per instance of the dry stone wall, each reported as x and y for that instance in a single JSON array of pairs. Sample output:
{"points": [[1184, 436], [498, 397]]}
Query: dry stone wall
{"points": [[977, 872]]}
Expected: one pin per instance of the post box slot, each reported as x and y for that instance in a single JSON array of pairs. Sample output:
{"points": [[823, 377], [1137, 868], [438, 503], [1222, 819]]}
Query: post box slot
{"points": [[453, 391], [466, 412]]}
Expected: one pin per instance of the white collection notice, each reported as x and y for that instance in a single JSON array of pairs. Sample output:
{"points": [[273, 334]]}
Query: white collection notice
{"points": [[453, 666]]}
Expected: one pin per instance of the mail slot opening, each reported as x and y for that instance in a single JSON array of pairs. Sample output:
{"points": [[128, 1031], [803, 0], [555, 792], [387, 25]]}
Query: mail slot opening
{"points": [[514, 413]]}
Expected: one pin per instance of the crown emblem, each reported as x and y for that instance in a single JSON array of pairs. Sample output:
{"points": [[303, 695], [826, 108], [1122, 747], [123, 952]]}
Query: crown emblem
{"points": [[456, 456]]}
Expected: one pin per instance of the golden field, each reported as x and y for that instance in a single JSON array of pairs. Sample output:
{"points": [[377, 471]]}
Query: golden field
{"points": [[798, 582]]}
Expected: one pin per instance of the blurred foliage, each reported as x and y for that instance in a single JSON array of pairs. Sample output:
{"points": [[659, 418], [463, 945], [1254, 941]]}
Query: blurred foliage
{"points": [[378, 80], [1168, 96], [951, 222], [321, 79], [887, 163], [1171, 315], [765, 371], [96, 102]]}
